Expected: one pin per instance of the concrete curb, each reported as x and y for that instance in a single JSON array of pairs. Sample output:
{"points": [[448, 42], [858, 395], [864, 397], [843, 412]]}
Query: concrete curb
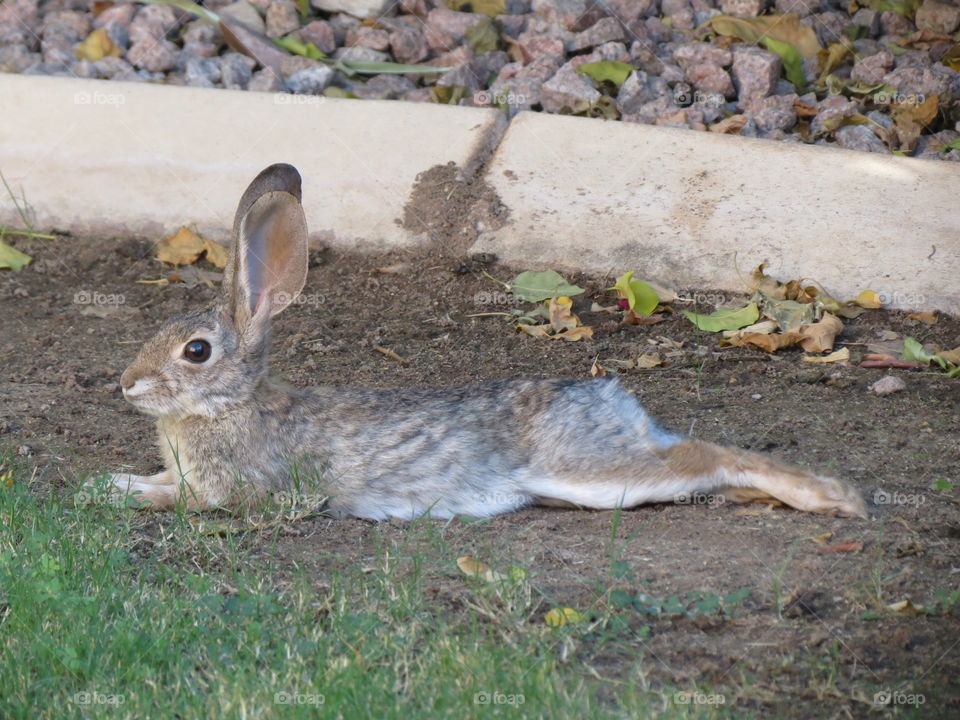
{"points": [[110, 158], [689, 209], [681, 208]]}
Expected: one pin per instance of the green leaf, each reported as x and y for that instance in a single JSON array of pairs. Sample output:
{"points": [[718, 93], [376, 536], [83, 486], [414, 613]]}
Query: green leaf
{"points": [[12, 258], [952, 145], [298, 47], [448, 94], [540, 286], [483, 37], [303, 7], [353, 67], [725, 318], [640, 297], [607, 70], [943, 484], [913, 350], [491, 8], [792, 62]]}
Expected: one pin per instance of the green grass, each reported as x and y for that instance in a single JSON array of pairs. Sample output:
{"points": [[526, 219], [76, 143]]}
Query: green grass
{"points": [[106, 612]]}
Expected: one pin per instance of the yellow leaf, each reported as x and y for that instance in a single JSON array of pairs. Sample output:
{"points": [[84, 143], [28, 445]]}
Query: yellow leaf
{"points": [[97, 46], [905, 607], [561, 316], [474, 568], [868, 299], [841, 356], [649, 360], [185, 247], [819, 336], [783, 28], [927, 318], [578, 333], [562, 616], [829, 60], [730, 126]]}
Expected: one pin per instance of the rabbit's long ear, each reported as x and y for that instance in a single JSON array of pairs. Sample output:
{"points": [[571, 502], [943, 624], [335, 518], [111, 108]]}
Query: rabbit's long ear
{"points": [[270, 267]]}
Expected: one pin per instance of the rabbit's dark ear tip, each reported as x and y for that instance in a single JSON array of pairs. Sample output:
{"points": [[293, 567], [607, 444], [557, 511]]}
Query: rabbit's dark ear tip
{"points": [[281, 176]]}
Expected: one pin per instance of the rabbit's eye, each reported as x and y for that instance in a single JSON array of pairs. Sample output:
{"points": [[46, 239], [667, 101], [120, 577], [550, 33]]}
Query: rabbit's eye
{"points": [[197, 351]]}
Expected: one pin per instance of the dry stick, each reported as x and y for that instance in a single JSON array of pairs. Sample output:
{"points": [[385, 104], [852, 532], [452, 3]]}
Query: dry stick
{"points": [[390, 354]]}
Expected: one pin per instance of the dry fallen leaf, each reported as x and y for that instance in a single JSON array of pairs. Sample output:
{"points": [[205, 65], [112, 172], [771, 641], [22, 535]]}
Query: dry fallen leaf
{"points": [[185, 247], [769, 342], [563, 324], [819, 336], [649, 360], [841, 356], [474, 568], [927, 318], [841, 548], [951, 356], [905, 607], [730, 126], [562, 616], [597, 370], [97, 46]]}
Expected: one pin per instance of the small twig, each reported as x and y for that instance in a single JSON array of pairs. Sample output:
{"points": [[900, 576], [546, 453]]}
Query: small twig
{"points": [[4, 230], [390, 354]]}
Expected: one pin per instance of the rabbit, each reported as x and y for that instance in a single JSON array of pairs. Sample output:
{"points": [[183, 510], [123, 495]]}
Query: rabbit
{"points": [[231, 435]]}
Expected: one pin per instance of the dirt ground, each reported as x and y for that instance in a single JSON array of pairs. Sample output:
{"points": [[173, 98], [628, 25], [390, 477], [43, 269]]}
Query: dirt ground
{"points": [[65, 342]]}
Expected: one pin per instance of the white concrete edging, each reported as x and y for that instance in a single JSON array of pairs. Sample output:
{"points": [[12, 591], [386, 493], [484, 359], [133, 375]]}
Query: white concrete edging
{"points": [[109, 158], [695, 209], [682, 208]]}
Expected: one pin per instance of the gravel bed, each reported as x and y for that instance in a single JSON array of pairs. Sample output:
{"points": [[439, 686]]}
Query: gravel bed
{"points": [[882, 81]]}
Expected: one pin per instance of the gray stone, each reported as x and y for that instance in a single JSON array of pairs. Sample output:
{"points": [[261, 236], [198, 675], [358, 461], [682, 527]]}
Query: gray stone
{"points": [[755, 74], [638, 90], [310, 81], [870, 19], [447, 28], [860, 137], [696, 53], [829, 26], [202, 72], [940, 17], [384, 87], [236, 70], [409, 45], [933, 80], [320, 34], [742, 8], [282, 18], [16, 58], [799, 7], [683, 20], [895, 24], [265, 80], [243, 12], [831, 111], [672, 7], [871, 70], [568, 88], [121, 14], [357, 8], [605, 30], [361, 54], [775, 113], [115, 68], [563, 12], [368, 37], [535, 47], [155, 56], [712, 80]]}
